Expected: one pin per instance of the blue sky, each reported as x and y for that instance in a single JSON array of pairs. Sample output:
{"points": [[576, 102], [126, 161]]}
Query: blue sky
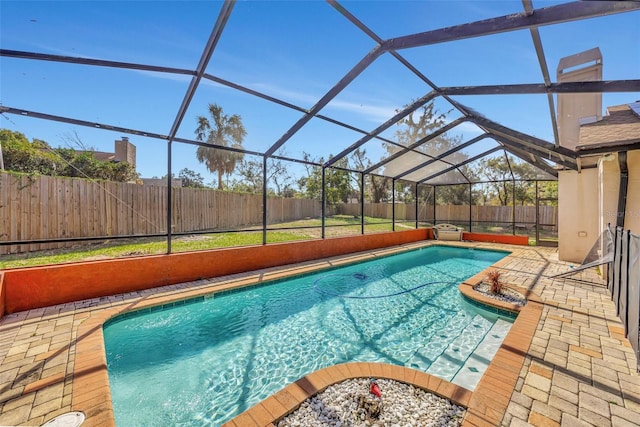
{"points": [[293, 50]]}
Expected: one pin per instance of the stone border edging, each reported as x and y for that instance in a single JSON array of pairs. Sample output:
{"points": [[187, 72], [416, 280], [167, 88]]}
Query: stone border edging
{"points": [[486, 405], [282, 403]]}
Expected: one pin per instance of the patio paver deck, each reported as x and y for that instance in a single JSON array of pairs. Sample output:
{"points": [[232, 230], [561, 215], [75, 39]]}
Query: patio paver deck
{"points": [[575, 366]]}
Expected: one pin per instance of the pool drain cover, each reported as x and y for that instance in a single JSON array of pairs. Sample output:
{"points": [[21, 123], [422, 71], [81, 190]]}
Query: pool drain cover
{"points": [[70, 419]]}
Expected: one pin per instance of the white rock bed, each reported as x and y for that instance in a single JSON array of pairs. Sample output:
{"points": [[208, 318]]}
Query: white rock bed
{"points": [[401, 405], [506, 294]]}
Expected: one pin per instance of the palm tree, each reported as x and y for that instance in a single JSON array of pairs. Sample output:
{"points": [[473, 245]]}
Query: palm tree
{"points": [[224, 131]]}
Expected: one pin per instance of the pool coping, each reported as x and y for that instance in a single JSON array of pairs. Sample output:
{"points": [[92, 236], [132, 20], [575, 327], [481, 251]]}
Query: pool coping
{"points": [[486, 405]]}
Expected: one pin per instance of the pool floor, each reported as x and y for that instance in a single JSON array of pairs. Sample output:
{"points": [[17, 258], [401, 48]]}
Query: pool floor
{"points": [[201, 364]]}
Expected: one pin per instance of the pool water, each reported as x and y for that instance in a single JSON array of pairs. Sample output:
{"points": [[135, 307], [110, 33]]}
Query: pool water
{"points": [[203, 363]]}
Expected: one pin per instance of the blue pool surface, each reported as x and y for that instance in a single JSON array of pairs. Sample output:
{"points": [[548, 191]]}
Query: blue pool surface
{"points": [[202, 363]]}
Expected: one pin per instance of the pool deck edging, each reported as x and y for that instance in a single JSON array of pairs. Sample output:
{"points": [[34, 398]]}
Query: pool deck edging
{"points": [[486, 405], [579, 368], [277, 406], [91, 382]]}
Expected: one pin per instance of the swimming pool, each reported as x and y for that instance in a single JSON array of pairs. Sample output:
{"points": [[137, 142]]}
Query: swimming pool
{"points": [[203, 362]]}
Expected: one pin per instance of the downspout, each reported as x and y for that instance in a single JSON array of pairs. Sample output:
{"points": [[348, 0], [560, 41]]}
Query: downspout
{"points": [[624, 184]]}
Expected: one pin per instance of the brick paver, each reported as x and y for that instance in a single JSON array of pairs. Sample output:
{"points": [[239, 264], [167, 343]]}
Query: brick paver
{"points": [[573, 368]]}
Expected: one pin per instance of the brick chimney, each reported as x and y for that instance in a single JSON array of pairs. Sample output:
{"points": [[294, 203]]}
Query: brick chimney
{"points": [[125, 151]]}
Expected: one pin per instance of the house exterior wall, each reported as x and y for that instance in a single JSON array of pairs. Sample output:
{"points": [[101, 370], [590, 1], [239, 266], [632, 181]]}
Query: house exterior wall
{"points": [[579, 207], [578, 213], [609, 190]]}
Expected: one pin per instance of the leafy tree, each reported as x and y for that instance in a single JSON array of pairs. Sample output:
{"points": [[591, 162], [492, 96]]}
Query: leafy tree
{"points": [[457, 194], [191, 178], [337, 181], [414, 127], [20, 155], [37, 157], [376, 188], [251, 174], [497, 169], [224, 131]]}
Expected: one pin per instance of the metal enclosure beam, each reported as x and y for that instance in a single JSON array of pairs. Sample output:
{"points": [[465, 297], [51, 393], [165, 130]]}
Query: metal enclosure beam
{"points": [[542, 60], [526, 156], [386, 125], [417, 144], [443, 155], [546, 16], [602, 86], [216, 32], [470, 160], [525, 139], [332, 93], [93, 62]]}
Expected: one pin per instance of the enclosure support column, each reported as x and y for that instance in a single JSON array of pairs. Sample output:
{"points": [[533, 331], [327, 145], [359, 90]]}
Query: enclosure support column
{"points": [[417, 210], [264, 200], [362, 203], [324, 196], [393, 204], [470, 203], [169, 190], [513, 213], [537, 215], [434, 205]]}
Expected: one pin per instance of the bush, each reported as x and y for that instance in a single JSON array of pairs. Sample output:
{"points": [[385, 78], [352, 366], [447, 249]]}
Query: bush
{"points": [[495, 284], [37, 157]]}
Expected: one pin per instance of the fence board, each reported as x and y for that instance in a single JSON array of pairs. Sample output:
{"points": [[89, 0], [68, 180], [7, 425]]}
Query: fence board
{"points": [[525, 215], [53, 207]]}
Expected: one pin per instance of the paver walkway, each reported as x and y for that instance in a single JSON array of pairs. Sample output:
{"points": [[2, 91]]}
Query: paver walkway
{"points": [[579, 369]]}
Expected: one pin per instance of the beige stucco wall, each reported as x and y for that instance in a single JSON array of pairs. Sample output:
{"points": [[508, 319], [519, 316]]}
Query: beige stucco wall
{"points": [[609, 172], [588, 201], [578, 213]]}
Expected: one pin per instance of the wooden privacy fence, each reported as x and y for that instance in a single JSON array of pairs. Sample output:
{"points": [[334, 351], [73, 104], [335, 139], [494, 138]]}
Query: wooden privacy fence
{"points": [[524, 215], [44, 207]]}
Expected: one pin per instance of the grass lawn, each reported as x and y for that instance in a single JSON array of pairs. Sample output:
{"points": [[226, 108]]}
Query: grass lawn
{"points": [[339, 225]]}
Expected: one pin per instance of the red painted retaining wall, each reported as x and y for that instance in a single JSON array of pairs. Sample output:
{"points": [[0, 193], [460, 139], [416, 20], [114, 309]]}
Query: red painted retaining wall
{"points": [[496, 238], [1, 294], [34, 287]]}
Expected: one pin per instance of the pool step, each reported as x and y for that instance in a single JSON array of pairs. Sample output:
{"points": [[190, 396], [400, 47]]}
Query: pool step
{"points": [[438, 342], [453, 358], [477, 363]]}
